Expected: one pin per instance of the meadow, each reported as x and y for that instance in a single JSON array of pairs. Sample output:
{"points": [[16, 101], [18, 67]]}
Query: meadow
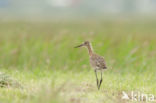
{"points": [[39, 64]]}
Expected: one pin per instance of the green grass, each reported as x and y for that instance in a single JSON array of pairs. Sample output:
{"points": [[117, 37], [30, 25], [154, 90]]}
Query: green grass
{"points": [[41, 58]]}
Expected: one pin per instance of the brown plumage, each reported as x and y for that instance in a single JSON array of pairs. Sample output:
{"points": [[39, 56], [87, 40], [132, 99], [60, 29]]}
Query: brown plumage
{"points": [[96, 61]]}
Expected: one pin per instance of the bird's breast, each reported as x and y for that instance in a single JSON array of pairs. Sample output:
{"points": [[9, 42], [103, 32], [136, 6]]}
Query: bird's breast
{"points": [[93, 63]]}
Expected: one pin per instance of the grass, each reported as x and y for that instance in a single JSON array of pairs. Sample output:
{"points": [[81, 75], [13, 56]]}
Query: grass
{"points": [[41, 58]]}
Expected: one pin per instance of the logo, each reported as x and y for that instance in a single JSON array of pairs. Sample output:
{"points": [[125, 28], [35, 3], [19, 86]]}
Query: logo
{"points": [[138, 96]]}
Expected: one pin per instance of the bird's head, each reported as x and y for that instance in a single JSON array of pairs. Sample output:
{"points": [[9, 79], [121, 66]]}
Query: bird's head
{"points": [[86, 43]]}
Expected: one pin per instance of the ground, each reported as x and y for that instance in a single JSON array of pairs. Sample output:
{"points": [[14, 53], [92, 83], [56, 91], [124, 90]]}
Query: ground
{"points": [[41, 64]]}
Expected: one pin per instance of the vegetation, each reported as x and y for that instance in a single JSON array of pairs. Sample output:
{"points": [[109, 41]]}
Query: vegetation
{"points": [[40, 58]]}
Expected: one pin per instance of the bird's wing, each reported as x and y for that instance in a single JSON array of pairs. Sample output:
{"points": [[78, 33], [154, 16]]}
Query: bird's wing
{"points": [[100, 62]]}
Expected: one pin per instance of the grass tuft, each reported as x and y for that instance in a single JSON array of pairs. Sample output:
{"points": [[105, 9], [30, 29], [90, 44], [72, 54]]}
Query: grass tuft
{"points": [[6, 81]]}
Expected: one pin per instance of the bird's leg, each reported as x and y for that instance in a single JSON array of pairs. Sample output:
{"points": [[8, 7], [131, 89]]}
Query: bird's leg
{"points": [[100, 80], [97, 81]]}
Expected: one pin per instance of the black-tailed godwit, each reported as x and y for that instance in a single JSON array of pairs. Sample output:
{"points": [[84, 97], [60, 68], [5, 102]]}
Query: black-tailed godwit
{"points": [[96, 61]]}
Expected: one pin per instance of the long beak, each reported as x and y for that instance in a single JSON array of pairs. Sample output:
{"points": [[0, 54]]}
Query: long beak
{"points": [[79, 46]]}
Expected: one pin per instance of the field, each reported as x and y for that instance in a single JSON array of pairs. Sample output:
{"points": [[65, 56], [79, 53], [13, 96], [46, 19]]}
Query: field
{"points": [[39, 64]]}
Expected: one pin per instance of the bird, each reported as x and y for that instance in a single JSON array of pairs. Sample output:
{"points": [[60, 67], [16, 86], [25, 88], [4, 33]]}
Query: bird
{"points": [[97, 62]]}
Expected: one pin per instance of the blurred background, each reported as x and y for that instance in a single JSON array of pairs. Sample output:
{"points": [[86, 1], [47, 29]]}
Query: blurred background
{"points": [[50, 22], [63, 9]]}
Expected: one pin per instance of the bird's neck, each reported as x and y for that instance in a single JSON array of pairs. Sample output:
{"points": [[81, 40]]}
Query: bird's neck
{"points": [[90, 49]]}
